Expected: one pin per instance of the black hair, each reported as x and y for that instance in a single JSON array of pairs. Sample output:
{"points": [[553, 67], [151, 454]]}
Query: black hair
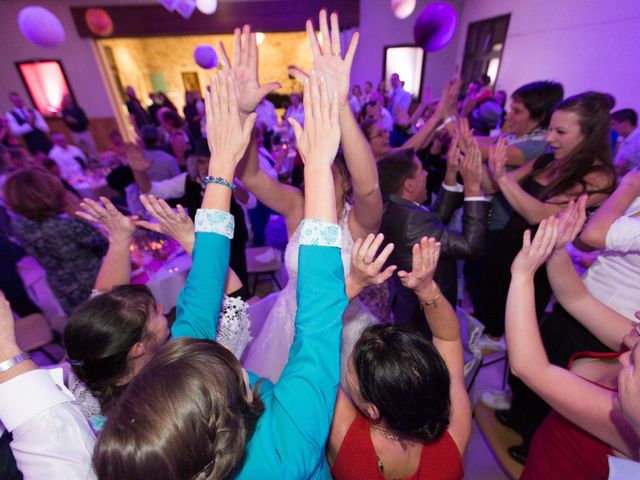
{"points": [[404, 376], [539, 98], [150, 135], [394, 169], [625, 115], [100, 334]]}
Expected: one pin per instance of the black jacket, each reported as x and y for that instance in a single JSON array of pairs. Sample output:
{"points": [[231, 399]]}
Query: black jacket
{"points": [[404, 223]]}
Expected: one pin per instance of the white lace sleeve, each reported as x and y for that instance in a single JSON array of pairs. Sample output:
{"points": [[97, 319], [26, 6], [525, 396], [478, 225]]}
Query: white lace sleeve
{"points": [[214, 221], [321, 233], [233, 325]]}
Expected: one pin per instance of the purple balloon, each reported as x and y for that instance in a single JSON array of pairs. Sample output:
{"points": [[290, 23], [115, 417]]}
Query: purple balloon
{"points": [[41, 27], [205, 56], [435, 26]]}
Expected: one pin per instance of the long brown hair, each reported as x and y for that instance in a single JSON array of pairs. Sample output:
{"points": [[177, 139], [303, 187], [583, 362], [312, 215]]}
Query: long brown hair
{"points": [[185, 415], [100, 334], [593, 153]]}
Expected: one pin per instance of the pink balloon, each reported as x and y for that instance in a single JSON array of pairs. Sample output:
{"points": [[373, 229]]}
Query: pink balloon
{"points": [[403, 8], [435, 26], [41, 27], [205, 56]]}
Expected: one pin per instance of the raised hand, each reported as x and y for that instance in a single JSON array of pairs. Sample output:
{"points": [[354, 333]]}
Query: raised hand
{"points": [[447, 106], [535, 253], [177, 225], [327, 58], [244, 71], [7, 328], [571, 220], [497, 163], [119, 227], [465, 135], [319, 140], [366, 268], [425, 255], [471, 169], [135, 157], [453, 161], [227, 136]]}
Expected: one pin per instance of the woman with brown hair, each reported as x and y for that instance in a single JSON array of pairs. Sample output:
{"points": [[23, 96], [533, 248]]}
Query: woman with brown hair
{"points": [[69, 249]]}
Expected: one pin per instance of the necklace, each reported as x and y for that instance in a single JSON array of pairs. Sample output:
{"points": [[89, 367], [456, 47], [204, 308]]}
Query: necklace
{"points": [[385, 433]]}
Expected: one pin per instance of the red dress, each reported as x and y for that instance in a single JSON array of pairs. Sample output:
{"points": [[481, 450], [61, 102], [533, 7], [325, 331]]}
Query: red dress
{"points": [[357, 459], [563, 451]]}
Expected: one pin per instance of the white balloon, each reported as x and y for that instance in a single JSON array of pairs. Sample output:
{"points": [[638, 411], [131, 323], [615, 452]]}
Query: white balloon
{"points": [[403, 8], [207, 6]]}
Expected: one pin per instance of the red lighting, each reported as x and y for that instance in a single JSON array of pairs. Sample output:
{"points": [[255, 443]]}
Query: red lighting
{"points": [[46, 84]]}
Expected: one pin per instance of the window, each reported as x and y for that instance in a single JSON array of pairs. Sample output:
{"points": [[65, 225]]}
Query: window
{"points": [[46, 84], [408, 62]]}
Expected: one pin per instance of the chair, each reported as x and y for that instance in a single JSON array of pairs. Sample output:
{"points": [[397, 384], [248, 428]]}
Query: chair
{"points": [[33, 333], [471, 329], [263, 261]]}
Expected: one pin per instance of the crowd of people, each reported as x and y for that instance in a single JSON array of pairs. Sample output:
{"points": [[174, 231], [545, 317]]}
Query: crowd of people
{"points": [[357, 371]]}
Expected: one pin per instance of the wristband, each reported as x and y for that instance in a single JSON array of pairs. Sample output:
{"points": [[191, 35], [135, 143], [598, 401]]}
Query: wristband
{"points": [[219, 181], [12, 362]]}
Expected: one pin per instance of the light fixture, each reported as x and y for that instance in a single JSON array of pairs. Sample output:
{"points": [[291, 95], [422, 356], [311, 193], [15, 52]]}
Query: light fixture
{"points": [[260, 38], [403, 8], [207, 7]]}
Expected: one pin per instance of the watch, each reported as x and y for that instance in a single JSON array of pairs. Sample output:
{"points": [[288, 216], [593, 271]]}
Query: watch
{"points": [[12, 362]]}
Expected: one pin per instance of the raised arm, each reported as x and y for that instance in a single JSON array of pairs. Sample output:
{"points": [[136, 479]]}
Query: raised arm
{"points": [[328, 62], [116, 266], [595, 232], [287, 201], [201, 298], [51, 438], [532, 209], [587, 405], [571, 292], [444, 325], [306, 392]]}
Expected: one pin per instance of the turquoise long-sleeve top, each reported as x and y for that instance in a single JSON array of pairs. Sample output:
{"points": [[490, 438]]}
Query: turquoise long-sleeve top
{"points": [[290, 437]]}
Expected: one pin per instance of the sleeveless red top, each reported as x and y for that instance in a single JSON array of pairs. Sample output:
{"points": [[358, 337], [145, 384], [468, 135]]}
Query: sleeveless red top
{"points": [[563, 451], [357, 459]]}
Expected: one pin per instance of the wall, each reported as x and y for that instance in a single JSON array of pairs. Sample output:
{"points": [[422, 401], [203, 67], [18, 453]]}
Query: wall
{"points": [[137, 58], [585, 44], [379, 27]]}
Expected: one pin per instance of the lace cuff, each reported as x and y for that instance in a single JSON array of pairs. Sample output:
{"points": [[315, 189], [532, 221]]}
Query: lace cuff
{"points": [[319, 232], [214, 221]]}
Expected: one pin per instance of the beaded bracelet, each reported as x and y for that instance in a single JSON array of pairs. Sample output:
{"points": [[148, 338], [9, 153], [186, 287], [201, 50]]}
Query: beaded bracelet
{"points": [[219, 181]]}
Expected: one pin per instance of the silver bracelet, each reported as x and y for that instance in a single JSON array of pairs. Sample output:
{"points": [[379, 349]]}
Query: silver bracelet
{"points": [[12, 362]]}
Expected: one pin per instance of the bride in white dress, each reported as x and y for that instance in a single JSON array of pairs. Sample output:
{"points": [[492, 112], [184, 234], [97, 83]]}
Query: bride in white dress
{"points": [[358, 198]]}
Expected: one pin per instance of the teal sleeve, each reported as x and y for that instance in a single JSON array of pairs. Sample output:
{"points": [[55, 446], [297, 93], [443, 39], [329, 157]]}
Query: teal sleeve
{"points": [[200, 300], [304, 397]]}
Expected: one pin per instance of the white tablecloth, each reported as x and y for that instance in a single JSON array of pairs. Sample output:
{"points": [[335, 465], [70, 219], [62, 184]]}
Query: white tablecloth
{"points": [[167, 282]]}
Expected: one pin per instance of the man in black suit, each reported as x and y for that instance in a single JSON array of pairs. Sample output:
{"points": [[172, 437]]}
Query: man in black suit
{"points": [[405, 221]]}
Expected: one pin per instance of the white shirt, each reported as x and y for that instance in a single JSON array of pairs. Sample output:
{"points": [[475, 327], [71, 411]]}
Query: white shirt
{"points": [[51, 437], [296, 112], [20, 130], [66, 160], [266, 116], [386, 119], [615, 276], [623, 469], [401, 99], [629, 150]]}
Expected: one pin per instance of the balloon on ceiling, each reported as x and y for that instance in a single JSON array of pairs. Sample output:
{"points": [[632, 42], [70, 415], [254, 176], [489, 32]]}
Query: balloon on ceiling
{"points": [[41, 27], [435, 26], [205, 56], [98, 21], [403, 8], [207, 7]]}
